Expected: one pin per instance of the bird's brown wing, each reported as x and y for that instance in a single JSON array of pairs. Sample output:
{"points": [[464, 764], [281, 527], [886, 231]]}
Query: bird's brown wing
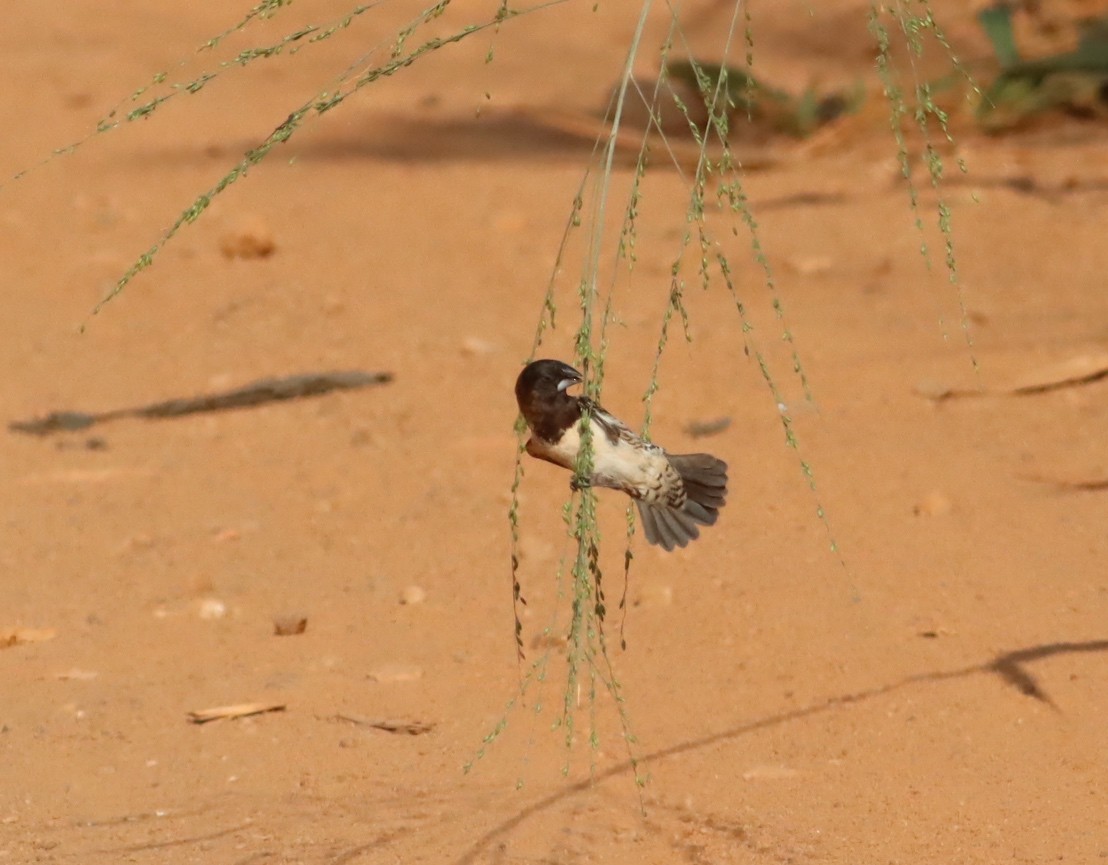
{"points": [[615, 429]]}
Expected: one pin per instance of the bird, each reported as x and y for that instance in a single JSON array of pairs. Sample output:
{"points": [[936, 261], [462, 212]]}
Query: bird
{"points": [[675, 493]]}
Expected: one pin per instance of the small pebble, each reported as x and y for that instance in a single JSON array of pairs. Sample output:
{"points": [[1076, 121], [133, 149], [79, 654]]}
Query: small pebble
{"points": [[811, 266], [78, 675], [249, 239], [413, 595], [289, 624], [396, 672], [474, 346], [212, 608], [934, 504]]}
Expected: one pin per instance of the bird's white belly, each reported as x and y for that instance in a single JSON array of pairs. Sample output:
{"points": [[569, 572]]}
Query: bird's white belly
{"points": [[640, 471], [623, 466]]}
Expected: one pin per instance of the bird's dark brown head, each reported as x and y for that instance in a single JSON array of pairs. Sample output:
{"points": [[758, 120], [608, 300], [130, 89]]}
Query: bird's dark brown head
{"points": [[541, 394]]}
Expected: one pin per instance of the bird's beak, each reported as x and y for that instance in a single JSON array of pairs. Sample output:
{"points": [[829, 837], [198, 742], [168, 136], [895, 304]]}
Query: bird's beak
{"points": [[573, 377]]}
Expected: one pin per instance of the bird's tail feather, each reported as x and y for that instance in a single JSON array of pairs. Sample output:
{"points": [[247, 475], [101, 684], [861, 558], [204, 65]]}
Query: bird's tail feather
{"points": [[705, 481]]}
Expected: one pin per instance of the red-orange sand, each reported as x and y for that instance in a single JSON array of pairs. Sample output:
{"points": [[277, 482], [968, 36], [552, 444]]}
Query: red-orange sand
{"points": [[934, 693]]}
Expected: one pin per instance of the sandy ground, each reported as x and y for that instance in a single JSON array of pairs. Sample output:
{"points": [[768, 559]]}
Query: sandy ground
{"points": [[933, 693]]}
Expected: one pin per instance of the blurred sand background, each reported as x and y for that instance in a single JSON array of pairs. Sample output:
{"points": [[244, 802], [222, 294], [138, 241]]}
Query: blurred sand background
{"points": [[935, 695]]}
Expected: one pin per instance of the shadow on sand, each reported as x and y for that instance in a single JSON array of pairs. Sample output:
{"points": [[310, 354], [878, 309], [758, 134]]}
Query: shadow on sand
{"points": [[1011, 667]]}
